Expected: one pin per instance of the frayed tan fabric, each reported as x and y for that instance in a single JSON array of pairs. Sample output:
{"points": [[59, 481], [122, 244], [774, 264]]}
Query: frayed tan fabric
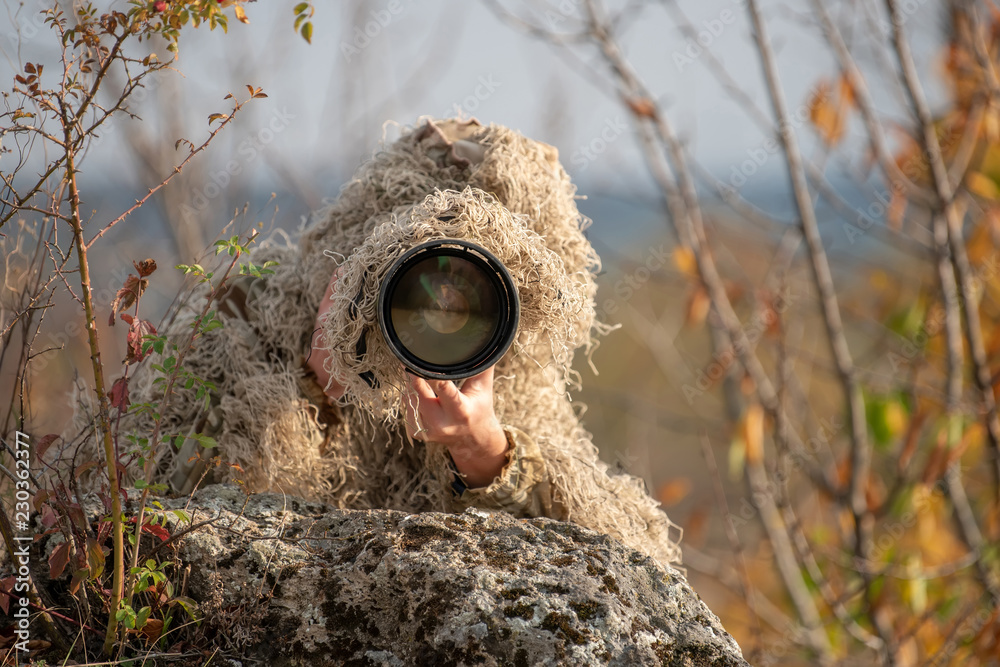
{"points": [[442, 179]]}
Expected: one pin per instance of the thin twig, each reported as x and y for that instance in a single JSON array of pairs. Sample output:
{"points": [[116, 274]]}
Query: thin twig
{"points": [[948, 205], [865, 104], [747, 591], [153, 190]]}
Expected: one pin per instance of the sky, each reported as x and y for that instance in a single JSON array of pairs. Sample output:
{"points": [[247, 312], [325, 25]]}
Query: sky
{"points": [[380, 62], [378, 65]]}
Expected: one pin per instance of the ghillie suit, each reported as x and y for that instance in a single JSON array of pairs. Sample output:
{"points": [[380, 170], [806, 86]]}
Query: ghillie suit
{"points": [[457, 179]]}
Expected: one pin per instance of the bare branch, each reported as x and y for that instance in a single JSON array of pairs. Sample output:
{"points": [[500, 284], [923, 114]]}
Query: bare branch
{"points": [[952, 216], [860, 447], [153, 190], [876, 134]]}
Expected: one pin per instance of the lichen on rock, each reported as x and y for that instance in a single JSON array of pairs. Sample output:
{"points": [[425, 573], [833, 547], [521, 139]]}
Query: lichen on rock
{"points": [[323, 586]]}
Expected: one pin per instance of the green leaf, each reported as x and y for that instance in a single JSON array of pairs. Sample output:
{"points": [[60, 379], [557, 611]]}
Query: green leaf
{"points": [[141, 484], [205, 441], [189, 606], [126, 616], [307, 32], [887, 418], [142, 617]]}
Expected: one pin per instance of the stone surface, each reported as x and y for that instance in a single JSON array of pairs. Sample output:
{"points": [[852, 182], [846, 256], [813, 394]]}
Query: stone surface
{"points": [[289, 582]]}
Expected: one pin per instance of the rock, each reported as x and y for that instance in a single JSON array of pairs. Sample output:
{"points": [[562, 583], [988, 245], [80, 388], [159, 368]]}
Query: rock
{"points": [[288, 582]]}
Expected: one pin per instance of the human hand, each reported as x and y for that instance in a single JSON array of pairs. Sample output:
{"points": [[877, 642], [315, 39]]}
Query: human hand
{"points": [[318, 356], [462, 420]]}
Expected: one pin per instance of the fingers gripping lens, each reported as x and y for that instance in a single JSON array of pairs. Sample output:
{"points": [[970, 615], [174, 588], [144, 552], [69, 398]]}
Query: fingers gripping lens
{"points": [[448, 309]]}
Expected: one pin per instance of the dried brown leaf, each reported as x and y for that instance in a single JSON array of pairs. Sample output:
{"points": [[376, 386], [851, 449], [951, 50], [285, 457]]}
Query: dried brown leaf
{"points": [[127, 295], [642, 107], [145, 267], [95, 558], [752, 430], [137, 332], [698, 307], [825, 114]]}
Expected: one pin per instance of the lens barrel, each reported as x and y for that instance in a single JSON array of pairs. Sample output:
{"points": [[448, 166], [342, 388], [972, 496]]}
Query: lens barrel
{"points": [[448, 309]]}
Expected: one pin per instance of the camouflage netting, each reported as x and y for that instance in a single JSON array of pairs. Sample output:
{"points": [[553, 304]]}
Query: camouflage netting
{"points": [[552, 302], [442, 179]]}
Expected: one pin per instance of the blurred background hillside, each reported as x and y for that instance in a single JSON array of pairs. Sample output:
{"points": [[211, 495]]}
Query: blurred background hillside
{"points": [[663, 406]]}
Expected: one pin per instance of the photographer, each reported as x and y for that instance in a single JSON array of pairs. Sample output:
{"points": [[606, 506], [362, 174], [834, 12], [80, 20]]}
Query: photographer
{"points": [[310, 399]]}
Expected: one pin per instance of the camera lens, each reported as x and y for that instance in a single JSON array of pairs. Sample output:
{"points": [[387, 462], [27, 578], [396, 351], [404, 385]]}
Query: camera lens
{"points": [[448, 309]]}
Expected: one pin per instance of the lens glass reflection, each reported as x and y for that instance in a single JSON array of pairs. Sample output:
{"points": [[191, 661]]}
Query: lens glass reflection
{"points": [[445, 309]]}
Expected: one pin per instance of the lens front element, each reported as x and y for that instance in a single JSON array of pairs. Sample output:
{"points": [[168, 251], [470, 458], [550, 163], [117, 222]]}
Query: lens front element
{"points": [[445, 310]]}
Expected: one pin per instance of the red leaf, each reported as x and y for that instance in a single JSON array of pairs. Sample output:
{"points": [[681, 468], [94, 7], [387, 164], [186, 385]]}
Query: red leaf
{"points": [[58, 560], [84, 467], [156, 531], [40, 497], [43, 444], [76, 516], [79, 577], [119, 394], [6, 586], [49, 517]]}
